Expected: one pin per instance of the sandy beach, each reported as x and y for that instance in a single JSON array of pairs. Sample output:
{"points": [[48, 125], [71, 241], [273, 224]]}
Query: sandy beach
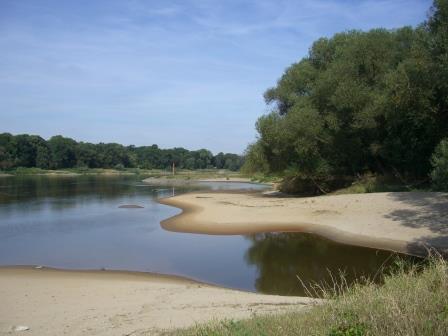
{"points": [[176, 182], [403, 222], [56, 302]]}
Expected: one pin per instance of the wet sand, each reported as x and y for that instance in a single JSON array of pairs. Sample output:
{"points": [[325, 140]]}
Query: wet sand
{"points": [[56, 302], [405, 222]]}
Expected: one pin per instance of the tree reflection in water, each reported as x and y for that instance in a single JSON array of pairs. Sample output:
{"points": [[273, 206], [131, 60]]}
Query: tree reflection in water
{"points": [[283, 257]]}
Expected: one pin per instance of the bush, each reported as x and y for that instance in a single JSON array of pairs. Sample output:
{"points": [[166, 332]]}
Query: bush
{"points": [[439, 161], [255, 160]]}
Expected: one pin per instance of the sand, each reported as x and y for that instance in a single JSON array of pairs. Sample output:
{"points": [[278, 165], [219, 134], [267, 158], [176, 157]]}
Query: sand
{"points": [[228, 179], [404, 222], [55, 302], [179, 181]]}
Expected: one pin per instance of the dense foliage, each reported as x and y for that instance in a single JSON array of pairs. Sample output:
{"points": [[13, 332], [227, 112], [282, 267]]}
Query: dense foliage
{"points": [[59, 152], [360, 102], [439, 161]]}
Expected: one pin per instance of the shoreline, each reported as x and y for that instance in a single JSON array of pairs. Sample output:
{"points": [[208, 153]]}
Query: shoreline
{"points": [[95, 302], [116, 302], [388, 221], [178, 181]]}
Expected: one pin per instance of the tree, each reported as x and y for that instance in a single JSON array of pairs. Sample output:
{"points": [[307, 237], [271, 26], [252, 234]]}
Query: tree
{"points": [[60, 152], [359, 102], [63, 152], [439, 161]]}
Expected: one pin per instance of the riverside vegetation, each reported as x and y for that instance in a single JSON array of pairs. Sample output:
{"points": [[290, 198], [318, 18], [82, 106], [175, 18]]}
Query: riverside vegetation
{"points": [[32, 151], [412, 301], [361, 104]]}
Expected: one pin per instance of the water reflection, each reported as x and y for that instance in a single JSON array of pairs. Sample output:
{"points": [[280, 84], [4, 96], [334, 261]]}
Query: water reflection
{"points": [[75, 222], [281, 258]]}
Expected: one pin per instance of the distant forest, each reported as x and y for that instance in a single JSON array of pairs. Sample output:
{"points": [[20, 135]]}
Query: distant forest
{"points": [[361, 102], [60, 152]]}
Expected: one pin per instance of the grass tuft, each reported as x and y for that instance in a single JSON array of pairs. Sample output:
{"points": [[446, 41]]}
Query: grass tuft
{"points": [[412, 301]]}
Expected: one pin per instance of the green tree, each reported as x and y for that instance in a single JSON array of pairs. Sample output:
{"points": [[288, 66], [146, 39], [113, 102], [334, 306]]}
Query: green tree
{"points": [[360, 101], [439, 161], [63, 152]]}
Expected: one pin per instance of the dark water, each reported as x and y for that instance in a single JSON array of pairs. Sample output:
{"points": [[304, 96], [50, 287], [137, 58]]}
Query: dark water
{"points": [[76, 223]]}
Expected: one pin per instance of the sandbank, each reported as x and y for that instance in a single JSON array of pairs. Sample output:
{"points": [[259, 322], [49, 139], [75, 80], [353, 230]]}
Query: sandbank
{"points": [[57, 302], [406, 222], [179, 181]]}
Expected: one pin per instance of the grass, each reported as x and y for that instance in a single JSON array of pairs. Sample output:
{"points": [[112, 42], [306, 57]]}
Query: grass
{"points": [[180, 174], [71, 171], [412, 301]]}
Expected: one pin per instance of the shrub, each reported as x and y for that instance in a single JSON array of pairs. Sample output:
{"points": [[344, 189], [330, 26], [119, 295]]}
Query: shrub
{"points": [[439, 161]]}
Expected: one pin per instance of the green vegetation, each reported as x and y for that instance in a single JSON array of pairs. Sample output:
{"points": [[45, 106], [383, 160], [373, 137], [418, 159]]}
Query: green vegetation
{"points": [[32, 151], [439, 162], [181, 174], [370, 183], [360, 102], [412, 301]]}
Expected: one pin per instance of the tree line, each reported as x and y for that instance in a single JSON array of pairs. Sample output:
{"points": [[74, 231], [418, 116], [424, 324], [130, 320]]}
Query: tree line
{"points": [[59, 152], [374, 101]]}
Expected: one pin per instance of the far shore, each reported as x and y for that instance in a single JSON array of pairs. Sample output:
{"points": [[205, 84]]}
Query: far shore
{"points": [[56, 302], [406, 222]]}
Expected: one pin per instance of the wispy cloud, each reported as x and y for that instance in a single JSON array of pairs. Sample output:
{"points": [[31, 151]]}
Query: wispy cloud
{"points": [[167, 72]]}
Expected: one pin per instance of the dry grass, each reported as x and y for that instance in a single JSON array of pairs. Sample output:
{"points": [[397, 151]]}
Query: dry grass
{"points": [[412, 301]]}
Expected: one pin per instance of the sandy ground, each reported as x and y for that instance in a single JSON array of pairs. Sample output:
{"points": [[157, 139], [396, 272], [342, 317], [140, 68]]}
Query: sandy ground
{"points": [[170, 182], [55, 302], [164, 181], [230, 179], [404, 222]]}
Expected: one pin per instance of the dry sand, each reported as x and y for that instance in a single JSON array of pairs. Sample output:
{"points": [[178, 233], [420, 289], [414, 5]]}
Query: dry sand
{"points": [[228, 179], [55, 302], [402, 222], [179, 181]]}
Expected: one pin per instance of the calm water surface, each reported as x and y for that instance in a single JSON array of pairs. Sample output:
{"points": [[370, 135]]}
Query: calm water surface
{"points": [[76, 223]]}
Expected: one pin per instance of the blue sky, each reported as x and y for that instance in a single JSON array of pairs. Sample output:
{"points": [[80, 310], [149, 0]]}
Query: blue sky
{"points": [[176, 73]]}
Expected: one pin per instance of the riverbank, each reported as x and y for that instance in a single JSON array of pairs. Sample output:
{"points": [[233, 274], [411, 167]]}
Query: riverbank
{"points": [[55, 302], [188, 180], [181, 174], [411, 301], [405, 222]]}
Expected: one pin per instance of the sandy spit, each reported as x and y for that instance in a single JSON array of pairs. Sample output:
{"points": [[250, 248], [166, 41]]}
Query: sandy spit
{"points": [[176, 182], [56, 302], [405, 222]]}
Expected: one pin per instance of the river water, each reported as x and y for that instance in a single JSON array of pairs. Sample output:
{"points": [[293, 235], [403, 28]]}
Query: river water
{"points": [[75, 222]]}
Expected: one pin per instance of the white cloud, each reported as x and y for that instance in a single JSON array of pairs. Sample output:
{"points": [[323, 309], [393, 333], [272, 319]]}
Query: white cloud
{"points": [[135, 71]]}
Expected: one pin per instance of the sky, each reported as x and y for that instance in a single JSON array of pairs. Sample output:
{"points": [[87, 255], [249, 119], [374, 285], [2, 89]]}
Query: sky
{"points": [[188, 73]]}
